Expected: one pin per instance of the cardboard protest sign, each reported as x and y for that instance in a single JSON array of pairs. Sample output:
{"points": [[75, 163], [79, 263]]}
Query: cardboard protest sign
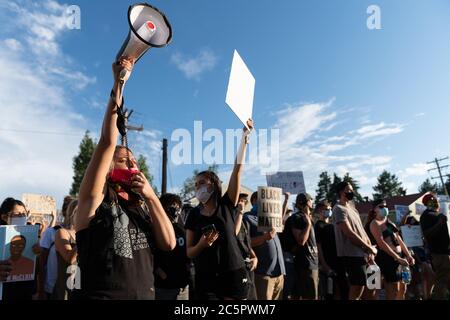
{"points": [[16, 243], [292, 182], [42, 208], [412, 236], [241, 89], [270, 209], [400, 212]]}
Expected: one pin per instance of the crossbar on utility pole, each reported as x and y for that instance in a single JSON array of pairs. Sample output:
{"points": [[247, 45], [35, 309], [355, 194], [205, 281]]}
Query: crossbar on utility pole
{"points": [[439, 169]]}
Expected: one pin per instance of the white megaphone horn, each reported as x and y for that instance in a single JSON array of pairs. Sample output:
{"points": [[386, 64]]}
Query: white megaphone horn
{"points": [[149, 27]]}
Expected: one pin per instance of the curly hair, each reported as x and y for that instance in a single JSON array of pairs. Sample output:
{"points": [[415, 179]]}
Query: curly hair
{"points": [[169, 199]]}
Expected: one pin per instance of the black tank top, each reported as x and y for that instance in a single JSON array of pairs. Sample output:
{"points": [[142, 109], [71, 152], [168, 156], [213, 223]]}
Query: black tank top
{"points": [[389, 232], [115, 254]]}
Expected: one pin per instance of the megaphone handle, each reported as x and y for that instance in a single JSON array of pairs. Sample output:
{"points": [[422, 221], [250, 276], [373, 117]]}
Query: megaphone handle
{"points": [[124, 74]]}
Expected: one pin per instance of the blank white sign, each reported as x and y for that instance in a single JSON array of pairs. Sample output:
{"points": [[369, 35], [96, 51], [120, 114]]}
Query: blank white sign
{"points": [[241, 89]]}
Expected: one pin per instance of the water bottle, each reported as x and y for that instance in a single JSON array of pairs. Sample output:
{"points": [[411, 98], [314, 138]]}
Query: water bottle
{"points": [[330, 285], [405, 274]]}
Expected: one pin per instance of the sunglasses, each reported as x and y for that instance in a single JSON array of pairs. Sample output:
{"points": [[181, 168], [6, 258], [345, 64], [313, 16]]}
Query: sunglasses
{"points": [[382, 206]]}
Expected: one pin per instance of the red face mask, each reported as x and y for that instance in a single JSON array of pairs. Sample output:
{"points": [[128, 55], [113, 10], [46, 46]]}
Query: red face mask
{"points": [[122, 176]]}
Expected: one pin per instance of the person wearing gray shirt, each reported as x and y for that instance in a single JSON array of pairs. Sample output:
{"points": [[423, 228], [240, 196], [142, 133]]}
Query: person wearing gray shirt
{"points": [[352, 242]]}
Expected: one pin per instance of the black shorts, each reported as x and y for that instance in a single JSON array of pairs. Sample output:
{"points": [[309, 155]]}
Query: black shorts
{"points": [[307, 284], [355, 267], [388, 267], [234, 284]]}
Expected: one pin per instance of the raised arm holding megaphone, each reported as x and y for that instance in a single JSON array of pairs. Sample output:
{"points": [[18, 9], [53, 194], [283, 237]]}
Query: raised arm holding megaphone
{"points": [[149, 27], [115, 198]]}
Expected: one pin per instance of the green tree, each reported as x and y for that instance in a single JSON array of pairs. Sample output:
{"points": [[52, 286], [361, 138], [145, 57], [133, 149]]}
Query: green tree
{"points": [[81, 162], [323, 188], [332, 194], [428, 186], [188, 189], [388, 186], [356, 187], [142, 165]]}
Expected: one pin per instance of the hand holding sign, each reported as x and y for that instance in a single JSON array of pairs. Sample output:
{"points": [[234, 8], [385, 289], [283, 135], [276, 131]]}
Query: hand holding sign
{"points": [[270, 216], [241, 89]]}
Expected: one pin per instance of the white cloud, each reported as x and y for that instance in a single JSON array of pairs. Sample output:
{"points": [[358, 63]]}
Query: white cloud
{"points": [[193, 67], [41, 130], [415, 170], [379, 130], [13, 44]]}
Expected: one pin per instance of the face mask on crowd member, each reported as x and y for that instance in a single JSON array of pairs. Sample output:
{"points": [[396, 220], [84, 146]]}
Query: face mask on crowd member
{"points": [[174, 213], [350, 195], [382, 210], [18, 220], [431, 202], [123, 168], [204, 187], [13, 212], [327, 213], [203, 195]]}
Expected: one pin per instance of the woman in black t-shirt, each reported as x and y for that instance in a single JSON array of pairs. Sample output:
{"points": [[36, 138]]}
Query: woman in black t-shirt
{"points": [[119, 216], [220, 271]]}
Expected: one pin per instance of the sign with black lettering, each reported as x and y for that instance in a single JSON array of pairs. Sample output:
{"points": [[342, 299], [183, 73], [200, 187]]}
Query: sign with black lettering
{"points": [[270, 209]]}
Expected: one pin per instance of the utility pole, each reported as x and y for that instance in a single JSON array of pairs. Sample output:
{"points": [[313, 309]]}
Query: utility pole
{"points": [[439, 168], [164, 168]]}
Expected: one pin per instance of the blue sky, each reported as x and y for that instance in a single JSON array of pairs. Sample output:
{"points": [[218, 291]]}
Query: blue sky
{"points": [[345, 98]]}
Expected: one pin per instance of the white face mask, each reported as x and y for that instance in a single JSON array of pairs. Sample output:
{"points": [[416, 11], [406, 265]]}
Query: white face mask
{"points": [[203, 195], [18, 221]]}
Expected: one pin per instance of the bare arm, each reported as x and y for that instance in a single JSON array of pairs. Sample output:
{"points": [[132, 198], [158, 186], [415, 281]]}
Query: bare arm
{"points": [[301, 236], [205, 242], [383, 245], [285, 203], [239, 217], [92, 188], [235, 180], [405, 249], [262, 239], [64, 248], [162, 227]]}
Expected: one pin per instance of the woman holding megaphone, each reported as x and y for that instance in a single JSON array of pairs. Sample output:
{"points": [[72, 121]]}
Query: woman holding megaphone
{"points": [[120, 219]]}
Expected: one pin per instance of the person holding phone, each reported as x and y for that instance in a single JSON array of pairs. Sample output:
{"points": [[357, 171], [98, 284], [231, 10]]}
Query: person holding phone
{"points": [[220, 270], [119, 218]]}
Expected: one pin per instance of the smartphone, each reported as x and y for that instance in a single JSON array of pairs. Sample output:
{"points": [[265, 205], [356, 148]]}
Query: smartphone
{"points": [[208, 229]]}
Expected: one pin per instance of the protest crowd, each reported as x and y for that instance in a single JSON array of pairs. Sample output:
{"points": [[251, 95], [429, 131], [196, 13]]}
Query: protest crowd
{"points": [[119, 240]]}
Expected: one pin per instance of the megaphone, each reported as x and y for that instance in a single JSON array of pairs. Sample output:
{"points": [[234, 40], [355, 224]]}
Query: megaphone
{"points": [[149, 27]]}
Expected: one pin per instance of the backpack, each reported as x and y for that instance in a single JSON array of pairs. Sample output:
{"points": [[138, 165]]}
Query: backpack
{"points": [[287, 239]]}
